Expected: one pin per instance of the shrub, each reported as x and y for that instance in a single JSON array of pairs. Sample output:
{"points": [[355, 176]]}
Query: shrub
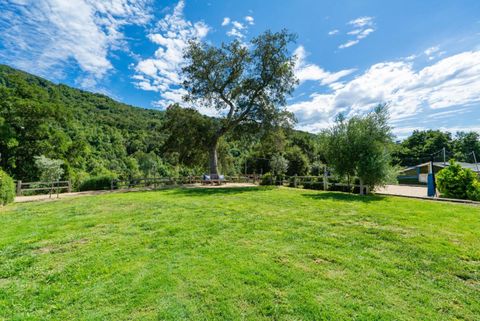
{"points": [[455, 181], [96, 183], [313, 185], [473, 193], [7, 188], [267, 179]]}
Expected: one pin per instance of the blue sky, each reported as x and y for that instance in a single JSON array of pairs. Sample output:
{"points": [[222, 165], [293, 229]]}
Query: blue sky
{"points": [[421, 57]]}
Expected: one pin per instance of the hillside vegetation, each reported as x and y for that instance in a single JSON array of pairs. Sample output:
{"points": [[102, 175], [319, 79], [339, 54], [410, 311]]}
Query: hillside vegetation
{"points": [[95, 135], [90, 132]]}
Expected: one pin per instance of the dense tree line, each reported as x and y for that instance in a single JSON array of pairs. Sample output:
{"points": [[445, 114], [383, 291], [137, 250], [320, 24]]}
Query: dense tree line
{"points": [[93, 135], [420, 145]]}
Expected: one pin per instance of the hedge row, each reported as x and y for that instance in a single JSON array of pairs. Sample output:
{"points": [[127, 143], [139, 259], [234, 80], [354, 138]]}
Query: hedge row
{"points": [[7, 188]]}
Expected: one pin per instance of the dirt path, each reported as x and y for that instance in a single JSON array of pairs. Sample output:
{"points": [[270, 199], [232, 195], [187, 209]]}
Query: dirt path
{"points": [[403, 190], [22, 199]]}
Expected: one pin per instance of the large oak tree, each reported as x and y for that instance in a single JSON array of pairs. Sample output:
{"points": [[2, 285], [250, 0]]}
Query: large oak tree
{"points": [[245, 83]]}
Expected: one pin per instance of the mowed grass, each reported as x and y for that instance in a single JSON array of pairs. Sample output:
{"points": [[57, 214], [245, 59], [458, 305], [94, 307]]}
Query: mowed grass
{"points": [[239, 254]]}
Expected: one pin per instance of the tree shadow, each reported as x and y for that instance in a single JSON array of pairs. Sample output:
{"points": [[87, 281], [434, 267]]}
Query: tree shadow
{"points": [[202, 191], [344, 197]]}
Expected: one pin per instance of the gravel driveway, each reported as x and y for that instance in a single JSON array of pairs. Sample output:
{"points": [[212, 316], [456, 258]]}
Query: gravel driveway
{"points": [[403, 190]]}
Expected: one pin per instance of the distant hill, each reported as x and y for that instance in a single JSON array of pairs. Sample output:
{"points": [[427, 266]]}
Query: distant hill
{"points": [[96, 136], [91, 132]]}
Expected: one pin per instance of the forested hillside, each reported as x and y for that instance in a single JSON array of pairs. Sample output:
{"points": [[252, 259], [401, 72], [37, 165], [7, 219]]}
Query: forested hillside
{"points": [[95, 135], [90, 132]]}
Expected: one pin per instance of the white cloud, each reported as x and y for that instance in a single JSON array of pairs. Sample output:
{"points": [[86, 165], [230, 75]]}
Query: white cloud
{"points": [[348, 44], [42, 36], [236, 33], [434, 52], [451, 82], [238, 30], [363, 27], [333, 32], [161, 73], [365, 33], [306, 71], [361, 22], [431, 50], [226, 21]]}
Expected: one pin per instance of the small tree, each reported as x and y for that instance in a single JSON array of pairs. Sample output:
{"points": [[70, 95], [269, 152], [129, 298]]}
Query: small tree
{"points": [[50, 170], [297, 162], [279, 165], [244, 83], [361, 147]]}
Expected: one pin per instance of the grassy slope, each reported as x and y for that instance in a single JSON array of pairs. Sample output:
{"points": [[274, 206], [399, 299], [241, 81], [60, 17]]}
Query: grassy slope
{"points": [[239, 254]]}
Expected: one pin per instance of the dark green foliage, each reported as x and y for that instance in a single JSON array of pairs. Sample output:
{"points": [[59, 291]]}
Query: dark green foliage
{"points": [[473, 193], [267, 179], [89, 132], [457, 182], [94, 135], [314, 184], [465, 144], [360, 146], [420, 145], [298, 163], [249, 84], [7, 188], [96, 183]]}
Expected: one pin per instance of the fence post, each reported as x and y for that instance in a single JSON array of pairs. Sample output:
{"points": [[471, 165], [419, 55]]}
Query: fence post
{"points": [[325, 179], [295, 181], [19, 188], [69, 186], [111, 184]]}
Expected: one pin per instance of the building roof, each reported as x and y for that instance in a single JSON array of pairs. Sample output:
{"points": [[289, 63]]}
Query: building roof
{"points": [[473, 167]]}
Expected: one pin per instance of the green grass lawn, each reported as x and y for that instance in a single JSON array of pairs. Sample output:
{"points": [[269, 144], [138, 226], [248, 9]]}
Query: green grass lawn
{"points": [[239, 254]]}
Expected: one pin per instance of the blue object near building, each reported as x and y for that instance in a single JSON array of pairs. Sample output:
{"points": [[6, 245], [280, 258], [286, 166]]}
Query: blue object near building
{"points": [[431, 186]]}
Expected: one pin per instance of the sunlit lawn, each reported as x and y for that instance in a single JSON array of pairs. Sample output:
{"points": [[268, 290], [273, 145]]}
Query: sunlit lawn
{"points": [[233, 254]]}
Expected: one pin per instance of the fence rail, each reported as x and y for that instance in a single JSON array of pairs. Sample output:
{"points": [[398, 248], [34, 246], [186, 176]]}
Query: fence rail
{"points": [[324, 182], [159, 182], [33, 187]]}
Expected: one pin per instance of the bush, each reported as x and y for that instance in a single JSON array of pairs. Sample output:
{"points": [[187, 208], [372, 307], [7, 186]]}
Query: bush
{"points": [[96, 183], [473, 193], [455, 181], [267, 179], [7, 188], [313, 185]]}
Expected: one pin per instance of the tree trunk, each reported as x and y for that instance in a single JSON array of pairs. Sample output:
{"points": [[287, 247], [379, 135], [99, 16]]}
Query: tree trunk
{"points": [[214, 158]]}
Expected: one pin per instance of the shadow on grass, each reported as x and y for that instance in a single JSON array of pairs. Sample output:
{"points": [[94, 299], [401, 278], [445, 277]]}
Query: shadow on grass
{"points": [[344, 197], [199, 191]]}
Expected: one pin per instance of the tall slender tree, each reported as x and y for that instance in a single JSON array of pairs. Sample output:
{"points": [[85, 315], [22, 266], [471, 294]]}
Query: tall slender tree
{"points": [[244, 82]]}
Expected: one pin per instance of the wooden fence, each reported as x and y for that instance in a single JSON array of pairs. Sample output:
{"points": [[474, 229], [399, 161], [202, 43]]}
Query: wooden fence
{"points": [[160, 182], [323, 182], [42, 187]]}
